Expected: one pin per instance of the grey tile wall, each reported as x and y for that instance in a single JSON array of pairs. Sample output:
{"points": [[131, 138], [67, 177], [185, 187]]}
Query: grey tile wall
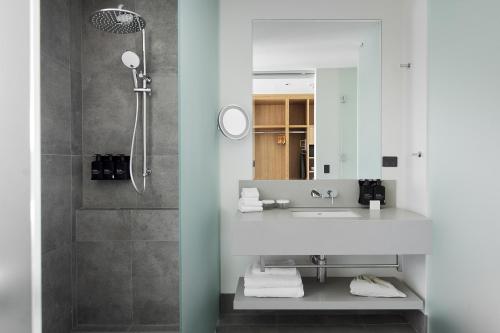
{"points": [[56, 290], [61, 155], [127, 267], [115, 268], [109, 105]]}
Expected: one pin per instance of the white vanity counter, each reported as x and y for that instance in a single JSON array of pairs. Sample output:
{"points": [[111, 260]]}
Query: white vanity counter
{"points": [[281, 232]]}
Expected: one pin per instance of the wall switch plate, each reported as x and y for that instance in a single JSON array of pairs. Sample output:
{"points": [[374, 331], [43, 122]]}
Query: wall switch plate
{"points": [[390, 161], [326, 168]]}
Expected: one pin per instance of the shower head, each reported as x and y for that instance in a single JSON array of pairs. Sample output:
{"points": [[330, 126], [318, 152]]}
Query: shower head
{"points": [[131, 59], [117, 20]]}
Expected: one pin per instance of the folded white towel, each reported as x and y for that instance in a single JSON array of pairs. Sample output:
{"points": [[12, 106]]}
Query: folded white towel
{"points": [[250, 193], [249, 209], [368, 285], [250, 202], [271, 281], [276, 271], [295, 292], [250, 190]]}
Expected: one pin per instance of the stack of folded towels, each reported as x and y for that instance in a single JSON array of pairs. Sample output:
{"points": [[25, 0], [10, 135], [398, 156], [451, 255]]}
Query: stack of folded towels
{"points": [[249, 201], [273, 282], [369, 285]]}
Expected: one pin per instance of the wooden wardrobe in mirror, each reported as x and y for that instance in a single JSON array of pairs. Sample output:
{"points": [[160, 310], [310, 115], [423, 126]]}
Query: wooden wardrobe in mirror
{"points": [[283, 134]]}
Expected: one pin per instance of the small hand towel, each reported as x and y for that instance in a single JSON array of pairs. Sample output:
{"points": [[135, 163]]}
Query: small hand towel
{"points": [[371, 286], [250, 190], [294, 292], [249, 209], [271, 281], [276, 271], [249, 195], [250, 202]]}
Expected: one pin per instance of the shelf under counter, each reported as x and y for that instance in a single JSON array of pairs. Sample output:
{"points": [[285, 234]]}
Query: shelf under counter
{"points": [[332, 295]]}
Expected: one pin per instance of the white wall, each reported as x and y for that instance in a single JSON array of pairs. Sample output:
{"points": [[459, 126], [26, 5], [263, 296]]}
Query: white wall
{"points": [[414, 190], [236, 88], [336, 123], [283, 86], [327, 121], [369, 119], [15, 229]]}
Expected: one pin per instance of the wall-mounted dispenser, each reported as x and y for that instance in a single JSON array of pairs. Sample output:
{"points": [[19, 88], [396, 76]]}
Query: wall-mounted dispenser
{"points": [[111, 167], [371, 189], [97, 172]]}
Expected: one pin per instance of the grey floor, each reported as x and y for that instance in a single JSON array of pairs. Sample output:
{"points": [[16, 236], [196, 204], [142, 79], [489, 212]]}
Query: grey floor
{"points": [[315, 323]]}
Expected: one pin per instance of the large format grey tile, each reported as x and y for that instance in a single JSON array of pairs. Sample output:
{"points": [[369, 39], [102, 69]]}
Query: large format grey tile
{"points": [[156, 282], [56, 290], [108, 112], [76, 15], [55, 107], [104, 286], [155, 224], [55, 29], [161, 34], [76, 113], [163, 184], [106, 194], [94, 225], [163, 115], [76, 190], [56, 201]]}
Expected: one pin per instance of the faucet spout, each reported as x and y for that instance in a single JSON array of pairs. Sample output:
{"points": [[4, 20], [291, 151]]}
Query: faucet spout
{"points": [[316, 194]]}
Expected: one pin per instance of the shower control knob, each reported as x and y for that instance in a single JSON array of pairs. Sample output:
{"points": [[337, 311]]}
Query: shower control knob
{"points": [[146, 78]]}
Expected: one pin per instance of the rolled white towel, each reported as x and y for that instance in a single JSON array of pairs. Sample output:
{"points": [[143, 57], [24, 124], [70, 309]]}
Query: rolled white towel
{"points": [[371, 286], [293, 292], [271, 281], [250, 202], [276, 271]]}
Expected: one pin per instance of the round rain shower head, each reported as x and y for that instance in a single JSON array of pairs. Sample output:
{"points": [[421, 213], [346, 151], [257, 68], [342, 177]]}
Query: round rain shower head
{"points": [[117, 20], [131, 59]]}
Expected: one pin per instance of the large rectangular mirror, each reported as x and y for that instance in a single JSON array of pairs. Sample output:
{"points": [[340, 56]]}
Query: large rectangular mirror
{"points": [[317, 99]]}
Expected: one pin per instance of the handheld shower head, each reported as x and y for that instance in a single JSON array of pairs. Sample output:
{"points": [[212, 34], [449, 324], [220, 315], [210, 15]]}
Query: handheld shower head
{"points": [[131, 60]]}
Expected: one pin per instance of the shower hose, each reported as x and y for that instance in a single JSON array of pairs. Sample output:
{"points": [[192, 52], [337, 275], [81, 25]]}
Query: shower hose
{"points": [[131, 167]]}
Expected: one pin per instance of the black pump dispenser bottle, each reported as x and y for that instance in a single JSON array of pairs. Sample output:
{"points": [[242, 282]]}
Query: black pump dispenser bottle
{"points": [[108, 167], [97, 170]]}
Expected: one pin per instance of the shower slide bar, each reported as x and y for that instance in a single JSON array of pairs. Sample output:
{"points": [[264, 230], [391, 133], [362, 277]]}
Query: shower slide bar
{"points": [[398, 265]]}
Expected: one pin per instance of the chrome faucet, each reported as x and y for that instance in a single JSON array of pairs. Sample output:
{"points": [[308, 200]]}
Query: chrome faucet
{"points": [[330, 194]]}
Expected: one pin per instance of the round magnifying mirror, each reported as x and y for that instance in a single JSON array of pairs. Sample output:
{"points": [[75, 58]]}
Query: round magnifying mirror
{"points": [[233, 122]]}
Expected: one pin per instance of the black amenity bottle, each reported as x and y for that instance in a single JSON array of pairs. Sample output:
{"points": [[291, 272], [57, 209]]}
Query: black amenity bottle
{"points": [[108, 167], [121, 164], [379, 191], [97, 169], [365, 192]]}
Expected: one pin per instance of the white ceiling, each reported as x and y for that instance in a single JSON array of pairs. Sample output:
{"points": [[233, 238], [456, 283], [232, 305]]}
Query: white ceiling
{"points": [[280, 45]]}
